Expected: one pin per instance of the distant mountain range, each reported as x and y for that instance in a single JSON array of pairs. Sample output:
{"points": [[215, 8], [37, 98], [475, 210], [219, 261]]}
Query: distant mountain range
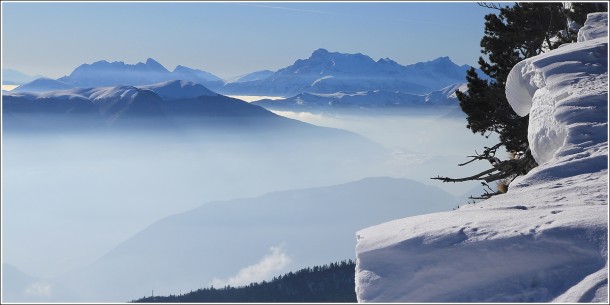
{"points": [[323, 72], [178, 107], [331, 72], [14, 77], [375, 99], [164, 105], [103, 73]]}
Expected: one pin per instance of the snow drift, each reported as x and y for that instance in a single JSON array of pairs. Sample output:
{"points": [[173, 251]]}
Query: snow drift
{"points": [[546, 240]]}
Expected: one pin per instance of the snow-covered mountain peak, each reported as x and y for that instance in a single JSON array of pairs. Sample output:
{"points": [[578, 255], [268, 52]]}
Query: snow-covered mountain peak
{"points": [[101, 62], [180, 68], [153, 65], [438, 64], [103, 65], [335, 58], [442, 59], [387, 61], [103, 73], [194, 75], [321, 52], [150, 61], [100, 94], [330, 72], [176, 89]]}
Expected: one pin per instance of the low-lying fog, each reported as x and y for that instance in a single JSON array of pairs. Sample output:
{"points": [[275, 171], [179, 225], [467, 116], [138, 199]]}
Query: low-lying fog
{"points": [[422, 145], [70, 198]]}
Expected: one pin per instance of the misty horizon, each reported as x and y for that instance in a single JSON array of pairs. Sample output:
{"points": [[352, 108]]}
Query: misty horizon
{"points": [[201, 153]]}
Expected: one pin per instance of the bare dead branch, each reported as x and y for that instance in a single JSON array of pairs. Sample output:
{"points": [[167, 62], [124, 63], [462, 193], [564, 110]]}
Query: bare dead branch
{"points": [[500, 170], [474, 177], [488, 154]]}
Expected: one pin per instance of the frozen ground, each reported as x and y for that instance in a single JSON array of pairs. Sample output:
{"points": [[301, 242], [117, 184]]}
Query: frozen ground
{"points": [[546, 240]]}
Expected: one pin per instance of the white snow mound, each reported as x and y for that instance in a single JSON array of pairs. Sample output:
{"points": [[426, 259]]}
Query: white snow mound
{"points": [[546, 240], [559, 89], [596, 26]]}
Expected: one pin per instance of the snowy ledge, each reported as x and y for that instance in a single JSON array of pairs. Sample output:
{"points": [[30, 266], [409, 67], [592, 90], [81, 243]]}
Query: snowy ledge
{"points": [[546, 240]]}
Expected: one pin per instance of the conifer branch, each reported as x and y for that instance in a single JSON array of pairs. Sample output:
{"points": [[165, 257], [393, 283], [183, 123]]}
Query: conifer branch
{"points": [[492, 5]]}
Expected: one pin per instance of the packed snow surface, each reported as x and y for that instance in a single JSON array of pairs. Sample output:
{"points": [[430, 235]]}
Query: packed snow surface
{"points": [[546, 240]]}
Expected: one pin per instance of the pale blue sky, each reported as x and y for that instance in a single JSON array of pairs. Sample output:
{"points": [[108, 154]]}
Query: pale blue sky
{"points": [[230, 39]]}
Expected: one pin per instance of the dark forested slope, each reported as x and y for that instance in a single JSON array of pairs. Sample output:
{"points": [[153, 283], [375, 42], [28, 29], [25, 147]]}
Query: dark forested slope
{"points": [[328, 283]]}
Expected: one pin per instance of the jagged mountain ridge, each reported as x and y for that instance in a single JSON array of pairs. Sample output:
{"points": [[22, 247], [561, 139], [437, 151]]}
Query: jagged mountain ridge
{"points": [[322, 72], [104, 73], [331, 72]]}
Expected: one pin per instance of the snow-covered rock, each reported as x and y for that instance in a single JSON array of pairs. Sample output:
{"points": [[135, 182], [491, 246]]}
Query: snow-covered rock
{"points": [[546, 240], [559, 90], [596, 26]]}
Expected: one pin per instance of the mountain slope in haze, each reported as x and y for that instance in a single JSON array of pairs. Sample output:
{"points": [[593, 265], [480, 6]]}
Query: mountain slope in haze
{"points": [[189, 74], [79, 108], [177, 89], [42, 85], [19, 287], [159, 103], [216, 240], [14, 77], [177, 107], [254, 76], [103, 73], [331, 72], [376, 99]]}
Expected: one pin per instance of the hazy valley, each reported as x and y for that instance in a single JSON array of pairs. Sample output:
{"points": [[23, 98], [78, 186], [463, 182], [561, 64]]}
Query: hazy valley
{"points": [[131, 151]]}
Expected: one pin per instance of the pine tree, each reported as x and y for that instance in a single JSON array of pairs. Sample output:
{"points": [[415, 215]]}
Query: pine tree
{"points": [[513, 34]]}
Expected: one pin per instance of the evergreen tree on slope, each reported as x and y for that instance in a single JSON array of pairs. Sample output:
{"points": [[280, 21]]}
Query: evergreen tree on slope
{"points": [[513, 34]]}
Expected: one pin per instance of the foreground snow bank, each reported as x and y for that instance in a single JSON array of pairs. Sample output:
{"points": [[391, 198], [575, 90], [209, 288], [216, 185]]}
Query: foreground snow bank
{"points": [[547, 238]]}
